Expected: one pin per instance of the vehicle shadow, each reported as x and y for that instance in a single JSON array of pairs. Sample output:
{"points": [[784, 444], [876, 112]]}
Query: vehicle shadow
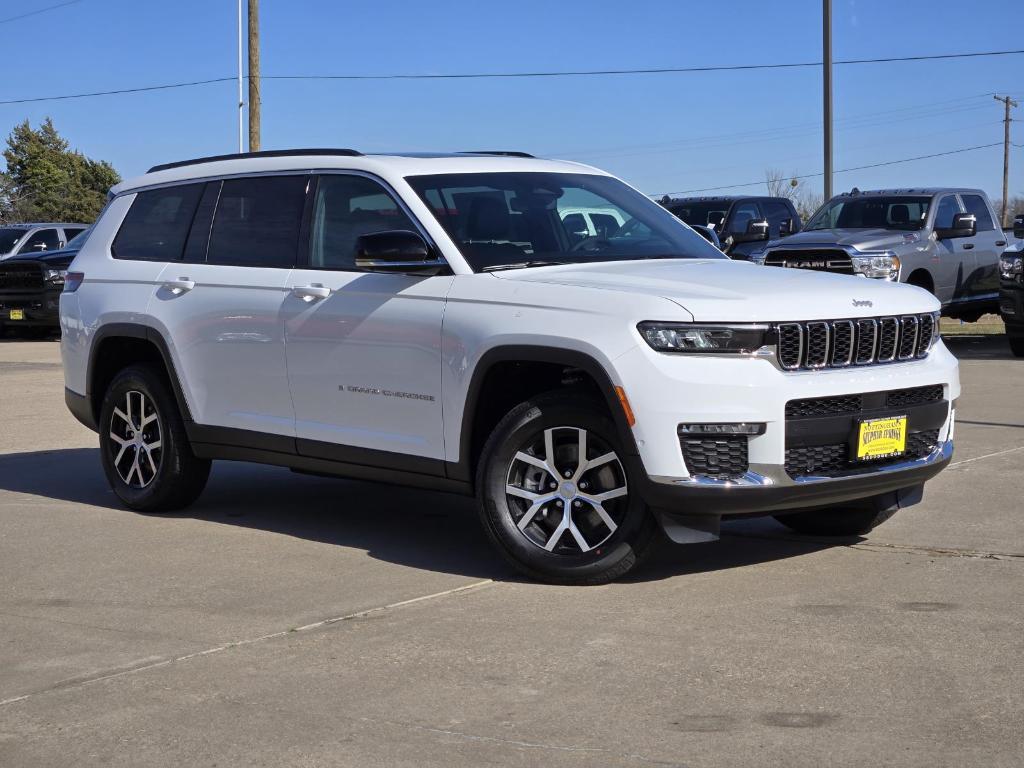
{"points": [[419, 529], [979, 346]]}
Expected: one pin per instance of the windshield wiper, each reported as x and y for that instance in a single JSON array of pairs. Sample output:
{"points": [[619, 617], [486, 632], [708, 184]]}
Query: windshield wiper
{"points": [[521, 265]]}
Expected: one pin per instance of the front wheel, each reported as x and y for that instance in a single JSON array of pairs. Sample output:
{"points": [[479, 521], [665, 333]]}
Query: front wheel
{"points": [[556, 496]]}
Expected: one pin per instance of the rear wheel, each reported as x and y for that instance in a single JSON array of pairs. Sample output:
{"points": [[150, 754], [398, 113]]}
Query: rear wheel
{"points": [[556, 497], [145, 453]]}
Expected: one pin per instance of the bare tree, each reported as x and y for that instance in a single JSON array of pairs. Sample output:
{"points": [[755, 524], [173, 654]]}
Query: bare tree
{"points": [[1014, 207], [781, 185]]}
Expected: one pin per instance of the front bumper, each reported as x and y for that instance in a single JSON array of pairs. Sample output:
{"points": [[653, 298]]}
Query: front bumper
{"points": [[668, 390], [1011, 304], [40, 309]]}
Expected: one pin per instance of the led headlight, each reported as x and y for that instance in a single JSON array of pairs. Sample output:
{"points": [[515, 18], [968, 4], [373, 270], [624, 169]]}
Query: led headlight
{"points": [[56, 276], [703, 337], [881, 266], [1011, 266]]}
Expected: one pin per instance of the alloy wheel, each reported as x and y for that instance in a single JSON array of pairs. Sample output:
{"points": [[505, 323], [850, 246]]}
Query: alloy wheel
{"points": [[136, 438], [566, 490]]}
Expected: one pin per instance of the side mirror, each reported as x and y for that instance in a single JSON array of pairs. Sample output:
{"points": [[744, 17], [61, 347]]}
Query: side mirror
{"points": [[395, 251], [1018, 227], [757, 229], [709, 234], [964, 225]]}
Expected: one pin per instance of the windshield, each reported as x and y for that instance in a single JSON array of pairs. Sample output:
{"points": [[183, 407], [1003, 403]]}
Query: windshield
{"points": [[79, 240], [9, 237], [504, 220], [904, 213], [707, 213]]}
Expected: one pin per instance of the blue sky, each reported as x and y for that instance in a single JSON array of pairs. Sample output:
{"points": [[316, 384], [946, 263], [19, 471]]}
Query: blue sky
{"points": [[663, 133]]}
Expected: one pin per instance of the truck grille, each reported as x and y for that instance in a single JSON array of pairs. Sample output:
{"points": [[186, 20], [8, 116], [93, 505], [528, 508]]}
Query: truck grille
{"points": [[831, 460], [823, 260], [720, 458], [20, 277], [839, 343]]}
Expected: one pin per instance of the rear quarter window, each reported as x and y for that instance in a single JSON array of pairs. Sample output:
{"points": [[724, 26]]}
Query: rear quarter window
{"points": [[157, 224]]}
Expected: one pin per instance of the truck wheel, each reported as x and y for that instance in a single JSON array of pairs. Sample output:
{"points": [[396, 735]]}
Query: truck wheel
{"points": [[145, 453], [840, 521], [556, 496], [1016, 345]]}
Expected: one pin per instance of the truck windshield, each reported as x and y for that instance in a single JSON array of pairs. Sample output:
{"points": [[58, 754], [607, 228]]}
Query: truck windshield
{"points": [[9, 237], [508, 220], [871, 212], [706, 213]]}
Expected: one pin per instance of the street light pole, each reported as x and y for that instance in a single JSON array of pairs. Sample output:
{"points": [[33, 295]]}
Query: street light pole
{"points": [[826, 45], [241, 97]]}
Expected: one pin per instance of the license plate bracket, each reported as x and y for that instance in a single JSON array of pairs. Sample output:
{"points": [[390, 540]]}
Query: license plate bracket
{"points": [[17, 314], [882, 437]]}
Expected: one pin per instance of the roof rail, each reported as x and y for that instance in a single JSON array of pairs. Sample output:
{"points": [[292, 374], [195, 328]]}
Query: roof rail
{"points": [[265, 153], [497, 153]]}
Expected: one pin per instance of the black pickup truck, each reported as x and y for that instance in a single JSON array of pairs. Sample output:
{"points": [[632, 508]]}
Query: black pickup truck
{"points": [[1011, 288], [742, 222], [30, 287]]}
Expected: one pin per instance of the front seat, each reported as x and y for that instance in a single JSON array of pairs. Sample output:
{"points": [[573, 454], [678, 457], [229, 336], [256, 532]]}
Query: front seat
{"points": [[489, 221], [899, 214]]}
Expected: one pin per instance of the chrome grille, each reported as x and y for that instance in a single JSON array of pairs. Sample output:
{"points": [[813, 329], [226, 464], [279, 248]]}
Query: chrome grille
{"points": [[819, 260], [837, 343]]}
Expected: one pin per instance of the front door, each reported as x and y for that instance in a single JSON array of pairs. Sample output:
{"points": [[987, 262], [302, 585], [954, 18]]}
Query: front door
{"points": [[952, 264], [983, 282], [363, 348]]}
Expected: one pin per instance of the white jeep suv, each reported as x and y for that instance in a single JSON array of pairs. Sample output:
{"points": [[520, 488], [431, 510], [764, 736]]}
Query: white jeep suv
{"points": [[429, 320]]}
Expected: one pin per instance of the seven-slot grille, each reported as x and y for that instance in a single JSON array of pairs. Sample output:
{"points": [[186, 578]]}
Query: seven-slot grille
{"points": [[839, 343], [20, 277]]}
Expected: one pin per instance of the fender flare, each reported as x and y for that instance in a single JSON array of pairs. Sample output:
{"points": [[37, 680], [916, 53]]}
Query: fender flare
{"points": [[462, 470]]}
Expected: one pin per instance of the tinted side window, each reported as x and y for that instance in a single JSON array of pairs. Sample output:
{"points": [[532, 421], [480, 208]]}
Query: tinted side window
{"points": [[43, 240], [157, 224], [944, 214], [776, 213], [976, 205], [741, 215], [257, 221], [346, 208]]}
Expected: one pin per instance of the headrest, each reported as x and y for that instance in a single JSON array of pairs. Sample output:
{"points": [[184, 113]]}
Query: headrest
{"points": [[488, 219], [899, 214]]}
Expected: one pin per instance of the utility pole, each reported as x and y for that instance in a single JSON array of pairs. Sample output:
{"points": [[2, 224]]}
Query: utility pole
{"points": [[1007, 103], [241, 96], [254, 76], [826, 60]]}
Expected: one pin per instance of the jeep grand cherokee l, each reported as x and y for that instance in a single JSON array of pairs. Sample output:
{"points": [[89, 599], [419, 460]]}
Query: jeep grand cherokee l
{"points": [[944, 240], [429, 320]]}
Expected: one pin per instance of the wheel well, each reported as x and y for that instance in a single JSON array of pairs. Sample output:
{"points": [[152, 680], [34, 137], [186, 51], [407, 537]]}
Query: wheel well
{"points": [[114, 354], [922, 279], [510, 382]]}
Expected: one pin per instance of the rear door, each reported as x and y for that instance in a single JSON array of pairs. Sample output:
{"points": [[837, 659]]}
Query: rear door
{"points": [[983, 281], [220, 308], [364, 348]]}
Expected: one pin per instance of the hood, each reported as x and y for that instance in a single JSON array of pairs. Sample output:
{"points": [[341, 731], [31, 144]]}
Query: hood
{"points": [[54, 259], [861, 239], [724, 290]]}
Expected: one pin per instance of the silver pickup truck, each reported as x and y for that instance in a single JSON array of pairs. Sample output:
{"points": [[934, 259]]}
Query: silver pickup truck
{"points": [[945, 240]]}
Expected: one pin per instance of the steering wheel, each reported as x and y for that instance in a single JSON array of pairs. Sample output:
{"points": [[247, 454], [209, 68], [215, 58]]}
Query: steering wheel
{"points": [[593, 240]]}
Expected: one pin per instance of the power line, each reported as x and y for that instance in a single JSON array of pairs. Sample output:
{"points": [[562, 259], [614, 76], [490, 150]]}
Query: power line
{"points": [[119, 91], [510, 75], [845, 170], [38, 11]]}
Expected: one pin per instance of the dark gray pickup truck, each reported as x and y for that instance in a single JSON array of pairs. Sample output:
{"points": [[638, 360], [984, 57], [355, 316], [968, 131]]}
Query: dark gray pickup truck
{"points": [[944, 240]]}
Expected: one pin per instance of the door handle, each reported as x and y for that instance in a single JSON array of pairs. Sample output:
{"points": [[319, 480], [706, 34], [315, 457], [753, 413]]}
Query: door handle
{"points": [[179, 286], [1000, 243], [311, 293], [968, 246]]}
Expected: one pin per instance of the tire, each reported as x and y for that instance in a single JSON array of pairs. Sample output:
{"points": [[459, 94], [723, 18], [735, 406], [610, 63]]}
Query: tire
{"points": [[1016, 345], [130, 454], [608, 528], [839, 521]]}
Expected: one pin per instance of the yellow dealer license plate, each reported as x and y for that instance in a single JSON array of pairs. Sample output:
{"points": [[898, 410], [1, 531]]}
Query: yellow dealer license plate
{"points": [[882, 438], [17, 314]]}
